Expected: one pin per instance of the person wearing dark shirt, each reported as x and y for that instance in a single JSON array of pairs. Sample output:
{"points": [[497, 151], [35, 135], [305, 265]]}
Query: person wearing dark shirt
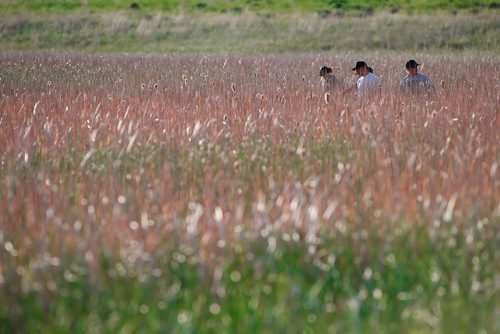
{"points": [[416, 82], [328, 81]]}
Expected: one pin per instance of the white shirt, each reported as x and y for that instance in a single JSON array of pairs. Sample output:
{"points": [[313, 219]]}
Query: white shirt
{"points": [[368, 84]]}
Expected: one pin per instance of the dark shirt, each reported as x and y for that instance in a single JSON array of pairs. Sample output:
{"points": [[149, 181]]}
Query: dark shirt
{"points": [[419, 83]]}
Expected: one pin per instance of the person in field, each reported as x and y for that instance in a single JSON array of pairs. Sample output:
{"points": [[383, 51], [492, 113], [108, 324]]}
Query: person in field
{"points": [[368, 83], [415, 82], [328, 81]]}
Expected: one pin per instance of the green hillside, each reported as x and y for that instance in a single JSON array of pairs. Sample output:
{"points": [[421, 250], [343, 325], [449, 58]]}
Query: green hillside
{"points": [[278, 6], [249, 25]]}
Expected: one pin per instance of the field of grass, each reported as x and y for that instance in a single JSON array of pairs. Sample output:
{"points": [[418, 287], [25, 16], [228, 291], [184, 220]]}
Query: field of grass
{"points": [[133, 32], [226, 193]]}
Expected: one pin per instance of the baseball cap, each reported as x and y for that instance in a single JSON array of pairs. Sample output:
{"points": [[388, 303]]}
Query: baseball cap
{"points": [[359, 64], [411, 64]]}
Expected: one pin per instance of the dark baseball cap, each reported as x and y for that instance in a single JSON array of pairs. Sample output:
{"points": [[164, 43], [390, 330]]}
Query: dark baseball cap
{"points": [[411, 64], [359, 64]]}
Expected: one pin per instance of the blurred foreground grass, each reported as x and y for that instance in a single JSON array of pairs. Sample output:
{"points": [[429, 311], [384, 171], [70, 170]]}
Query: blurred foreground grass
{"points": [[102, 274]]}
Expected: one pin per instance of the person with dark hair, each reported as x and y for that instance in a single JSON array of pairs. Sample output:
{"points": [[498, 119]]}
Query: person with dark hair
{"points": [[328, 81], [368, 83], [416, 82]]}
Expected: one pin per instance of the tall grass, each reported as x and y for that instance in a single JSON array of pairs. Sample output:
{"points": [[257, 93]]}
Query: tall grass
{"points": [[225, 193]]}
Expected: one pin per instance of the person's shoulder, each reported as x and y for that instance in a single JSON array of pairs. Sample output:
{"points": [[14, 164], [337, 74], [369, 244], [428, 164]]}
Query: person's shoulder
{"points": [[332, 79], [422, 76], [373, 77], [425, 78]]}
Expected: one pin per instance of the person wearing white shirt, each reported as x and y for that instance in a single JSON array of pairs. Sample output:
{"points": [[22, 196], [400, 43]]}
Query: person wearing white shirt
{"points": [[368, 83]]}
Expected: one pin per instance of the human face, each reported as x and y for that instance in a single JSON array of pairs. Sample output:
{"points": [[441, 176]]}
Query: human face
{"points": [[327, 75], [412, 71], [362, 71]]}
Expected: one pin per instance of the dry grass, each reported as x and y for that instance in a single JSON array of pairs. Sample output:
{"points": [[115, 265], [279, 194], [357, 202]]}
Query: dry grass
{"points": [[112, 156], [404, 159]]}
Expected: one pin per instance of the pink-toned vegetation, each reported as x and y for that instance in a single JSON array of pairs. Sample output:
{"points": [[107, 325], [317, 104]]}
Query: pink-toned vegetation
{"points": [[101, 151]]}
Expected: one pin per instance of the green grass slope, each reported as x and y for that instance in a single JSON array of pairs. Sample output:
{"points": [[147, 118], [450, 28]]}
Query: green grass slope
{"points": [[132, 31], [249, 5], [249, 25]]}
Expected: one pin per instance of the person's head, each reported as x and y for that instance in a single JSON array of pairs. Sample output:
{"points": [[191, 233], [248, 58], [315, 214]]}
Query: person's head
{"points": [[411, 67], [361, 68], [325, 71], [369, 69]]}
